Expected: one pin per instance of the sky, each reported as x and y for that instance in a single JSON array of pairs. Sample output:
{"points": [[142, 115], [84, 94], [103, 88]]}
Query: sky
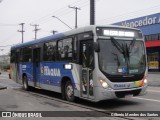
{"points": [[30, 12]]}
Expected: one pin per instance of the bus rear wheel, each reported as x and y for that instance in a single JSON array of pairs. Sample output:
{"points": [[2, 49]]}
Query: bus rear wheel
{"points": [[69, 91], [25, 83]]}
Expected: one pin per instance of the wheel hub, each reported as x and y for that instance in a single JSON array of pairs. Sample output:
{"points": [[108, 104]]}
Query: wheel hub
{"points": [[69, 91]]}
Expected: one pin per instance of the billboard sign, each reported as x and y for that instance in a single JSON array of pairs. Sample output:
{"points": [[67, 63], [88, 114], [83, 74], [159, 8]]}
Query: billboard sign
{"points": [[148, 24]]}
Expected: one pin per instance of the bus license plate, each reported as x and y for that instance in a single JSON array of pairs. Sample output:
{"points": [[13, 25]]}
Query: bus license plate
{"points": [[128, 96]]}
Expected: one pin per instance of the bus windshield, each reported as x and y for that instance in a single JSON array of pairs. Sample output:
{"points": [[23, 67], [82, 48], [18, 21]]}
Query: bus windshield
{"points": [[122, 57]]}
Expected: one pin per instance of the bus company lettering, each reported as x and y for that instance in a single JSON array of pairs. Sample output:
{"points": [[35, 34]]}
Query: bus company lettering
{"points": [[45, 70]]}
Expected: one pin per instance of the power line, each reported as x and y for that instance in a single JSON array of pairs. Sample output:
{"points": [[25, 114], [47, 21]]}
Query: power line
{"points": [[61, 12], [66, 12], [84, 4], [7, 45], [6, 24], [130, 14], [58, 11], [8, 38], [69, 11]]}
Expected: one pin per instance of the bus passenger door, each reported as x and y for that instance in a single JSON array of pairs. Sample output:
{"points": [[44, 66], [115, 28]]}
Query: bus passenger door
{"points": [[87, 61], [36, 67]]}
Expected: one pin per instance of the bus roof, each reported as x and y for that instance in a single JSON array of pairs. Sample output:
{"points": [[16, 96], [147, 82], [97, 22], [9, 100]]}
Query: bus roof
{"points": [[61, 35], [56, 36]]}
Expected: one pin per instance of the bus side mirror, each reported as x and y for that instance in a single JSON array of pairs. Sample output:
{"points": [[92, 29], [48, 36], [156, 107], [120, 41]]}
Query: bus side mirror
{"points": [[96, 47]]}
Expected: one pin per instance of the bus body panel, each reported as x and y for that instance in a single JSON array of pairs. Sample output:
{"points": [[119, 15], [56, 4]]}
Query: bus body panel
{"points": [[26, 69], [50, 74]]}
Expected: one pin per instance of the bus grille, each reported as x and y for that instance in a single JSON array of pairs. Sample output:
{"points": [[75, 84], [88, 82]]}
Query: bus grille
{"points": [[122, 94], [125, 79]]}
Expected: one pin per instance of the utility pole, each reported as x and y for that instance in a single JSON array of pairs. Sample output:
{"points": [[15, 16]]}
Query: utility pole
{"points": [[36, 30], [54, 32], [22, 31], [92, 12], [76, 8]]}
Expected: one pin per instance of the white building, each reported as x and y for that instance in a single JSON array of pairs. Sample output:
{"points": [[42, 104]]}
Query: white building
{"points": [[4, 61]]}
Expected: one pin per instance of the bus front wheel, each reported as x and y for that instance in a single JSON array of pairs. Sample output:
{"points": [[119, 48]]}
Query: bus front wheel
{"points": [[69, 91], [25, 83]]}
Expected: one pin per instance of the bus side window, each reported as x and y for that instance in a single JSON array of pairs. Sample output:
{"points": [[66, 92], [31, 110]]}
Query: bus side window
{"points": [[49, 51], [13, 56], [18, 56], [26, 54], [65, 51]]}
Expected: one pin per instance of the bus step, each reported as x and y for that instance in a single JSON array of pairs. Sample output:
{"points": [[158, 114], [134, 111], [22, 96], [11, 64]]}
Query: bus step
{"points": [[37, 87]]}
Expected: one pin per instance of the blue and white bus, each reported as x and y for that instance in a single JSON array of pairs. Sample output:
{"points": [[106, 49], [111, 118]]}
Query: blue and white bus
{"points": [[93, 63]]}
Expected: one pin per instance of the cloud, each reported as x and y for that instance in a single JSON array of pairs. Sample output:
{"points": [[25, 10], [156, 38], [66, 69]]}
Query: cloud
{"points": [[1, 1]]}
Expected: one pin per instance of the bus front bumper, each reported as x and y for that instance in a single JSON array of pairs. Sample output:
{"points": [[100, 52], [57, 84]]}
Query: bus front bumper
{"points": [[106, 94]]}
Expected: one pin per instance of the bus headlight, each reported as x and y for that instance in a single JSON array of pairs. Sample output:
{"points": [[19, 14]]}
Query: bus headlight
{"points": [[145, 81], [104, 84]]}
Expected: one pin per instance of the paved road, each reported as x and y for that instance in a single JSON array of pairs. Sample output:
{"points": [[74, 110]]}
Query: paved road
{"points": [[13, 99]]}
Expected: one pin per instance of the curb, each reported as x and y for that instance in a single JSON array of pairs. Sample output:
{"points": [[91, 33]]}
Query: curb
{"points": [[2, 87]]}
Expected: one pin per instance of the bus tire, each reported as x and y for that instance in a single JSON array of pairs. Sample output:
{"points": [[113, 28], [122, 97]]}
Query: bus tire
{"points": [[25, 83], [69, 91]]}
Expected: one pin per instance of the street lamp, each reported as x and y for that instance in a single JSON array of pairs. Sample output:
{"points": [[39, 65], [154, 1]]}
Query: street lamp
{"points": [[62, 21]]}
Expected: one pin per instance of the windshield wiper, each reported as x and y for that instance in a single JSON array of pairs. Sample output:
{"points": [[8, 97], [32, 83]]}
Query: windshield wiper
{"points": [[132, 44], [123, 49], [117, 45], [117, 59]]}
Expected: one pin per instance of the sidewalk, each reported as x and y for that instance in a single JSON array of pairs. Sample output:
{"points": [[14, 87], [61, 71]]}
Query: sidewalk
{"points": [[154, 79], [5, 82]]}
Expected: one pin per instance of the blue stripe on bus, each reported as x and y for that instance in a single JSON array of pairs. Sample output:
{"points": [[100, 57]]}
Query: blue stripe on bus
{"points": [[50, 73]]}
